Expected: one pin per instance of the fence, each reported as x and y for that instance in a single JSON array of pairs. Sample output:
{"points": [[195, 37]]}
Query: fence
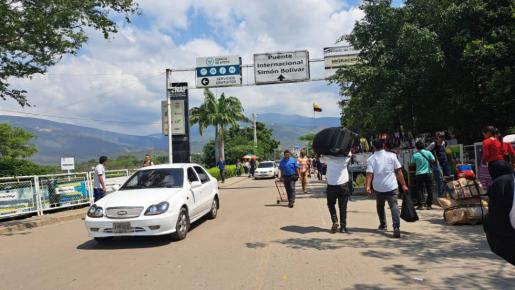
{"points": [[38, 194]]}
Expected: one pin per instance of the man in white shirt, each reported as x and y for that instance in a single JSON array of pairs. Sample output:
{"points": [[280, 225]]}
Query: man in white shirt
{"points": [[383, 172], [337, 189], [99, 188]]}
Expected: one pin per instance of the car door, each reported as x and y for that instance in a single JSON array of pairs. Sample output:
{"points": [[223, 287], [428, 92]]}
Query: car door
{"points": [[207, 188], [196, 190]]}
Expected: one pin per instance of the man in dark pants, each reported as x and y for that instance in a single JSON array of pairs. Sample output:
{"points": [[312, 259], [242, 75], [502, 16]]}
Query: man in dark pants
{"points": [[221, 167], [424, 161], [337, 189], [289, 174], [99, 179], [383, 172]]}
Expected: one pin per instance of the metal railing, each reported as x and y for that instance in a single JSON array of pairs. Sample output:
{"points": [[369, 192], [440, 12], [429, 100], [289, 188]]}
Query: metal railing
{"points": [[24, 195]]}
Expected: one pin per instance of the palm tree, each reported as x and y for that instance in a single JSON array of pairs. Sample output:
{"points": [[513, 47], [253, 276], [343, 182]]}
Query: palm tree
{"points": [[220, 113]]}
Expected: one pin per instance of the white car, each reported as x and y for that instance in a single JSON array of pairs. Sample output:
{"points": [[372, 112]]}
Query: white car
{"points": [[155, 200], [266, 169]]}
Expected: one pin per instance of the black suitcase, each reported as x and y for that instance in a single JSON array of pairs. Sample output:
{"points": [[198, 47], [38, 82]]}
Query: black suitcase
{"points": [[334, 141]]}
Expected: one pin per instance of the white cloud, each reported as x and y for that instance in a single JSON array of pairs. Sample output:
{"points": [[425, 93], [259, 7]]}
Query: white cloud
{"points": [[123, 78]]}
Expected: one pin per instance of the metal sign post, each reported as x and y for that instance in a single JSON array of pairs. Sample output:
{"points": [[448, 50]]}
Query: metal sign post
{"points": [[169, 114]]}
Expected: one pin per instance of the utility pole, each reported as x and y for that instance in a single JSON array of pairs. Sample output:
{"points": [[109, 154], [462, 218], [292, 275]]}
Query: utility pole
{"points": [[255, 133], [169, 106]]}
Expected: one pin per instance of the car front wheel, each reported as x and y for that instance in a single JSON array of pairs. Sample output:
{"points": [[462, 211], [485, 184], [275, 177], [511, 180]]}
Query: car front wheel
{"points": [[182, 226]]}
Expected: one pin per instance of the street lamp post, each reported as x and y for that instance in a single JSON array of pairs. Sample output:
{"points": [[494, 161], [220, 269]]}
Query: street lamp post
{"points": [[255, 133]]}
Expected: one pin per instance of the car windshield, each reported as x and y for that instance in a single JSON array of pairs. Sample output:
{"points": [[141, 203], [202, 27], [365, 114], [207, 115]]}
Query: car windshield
{"points": [[155, 178], [265, 165]]}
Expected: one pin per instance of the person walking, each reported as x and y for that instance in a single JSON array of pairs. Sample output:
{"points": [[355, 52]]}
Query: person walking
{"points": [[221, 167], [383, 172], [147, 161], [320, 167], [441, 170], [337, 189], [493, 153], [99, 179], [303, 170], [246, 167], [238, 167], [252, 167], [289, 174], [424, 162]]}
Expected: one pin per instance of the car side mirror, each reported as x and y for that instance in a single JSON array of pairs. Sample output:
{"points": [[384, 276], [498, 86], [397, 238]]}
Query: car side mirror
{"points": [[196, 183]]}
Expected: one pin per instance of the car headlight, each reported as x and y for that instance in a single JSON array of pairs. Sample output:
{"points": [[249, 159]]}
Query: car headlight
{"points": [[156, 209], [95, 212]]}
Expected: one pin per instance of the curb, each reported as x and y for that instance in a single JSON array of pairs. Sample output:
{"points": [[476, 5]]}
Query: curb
{"points": [[45, 220]]}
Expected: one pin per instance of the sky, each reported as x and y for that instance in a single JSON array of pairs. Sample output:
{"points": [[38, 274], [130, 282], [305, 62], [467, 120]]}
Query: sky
{"points": [[118, 84]]}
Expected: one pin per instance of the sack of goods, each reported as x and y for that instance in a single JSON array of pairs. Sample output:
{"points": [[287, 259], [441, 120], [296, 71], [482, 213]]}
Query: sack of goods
{"points": [[464, 215], [464, 188], [335, 141]]}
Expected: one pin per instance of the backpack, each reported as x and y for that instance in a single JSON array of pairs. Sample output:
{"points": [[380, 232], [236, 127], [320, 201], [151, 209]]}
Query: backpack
{"points": [[335, 141]]}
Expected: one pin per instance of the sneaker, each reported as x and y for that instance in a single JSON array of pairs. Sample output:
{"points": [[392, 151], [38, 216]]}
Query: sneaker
{"points": [[429, 207], [396, 233], [290, 205], [382, 228], [420, 207], [334, 228], [343, 229]]}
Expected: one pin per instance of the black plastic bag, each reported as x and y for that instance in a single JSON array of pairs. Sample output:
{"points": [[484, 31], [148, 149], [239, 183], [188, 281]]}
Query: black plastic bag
{"points": [[408, 212], [335, 141]]}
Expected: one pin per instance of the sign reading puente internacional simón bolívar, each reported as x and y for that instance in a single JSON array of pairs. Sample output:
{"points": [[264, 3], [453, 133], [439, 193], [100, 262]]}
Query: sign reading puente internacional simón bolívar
{"points": [[281, 67]]}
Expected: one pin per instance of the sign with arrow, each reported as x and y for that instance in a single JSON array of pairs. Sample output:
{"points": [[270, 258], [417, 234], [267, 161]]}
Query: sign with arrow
{"points": [[218, 71], [281, 67]]}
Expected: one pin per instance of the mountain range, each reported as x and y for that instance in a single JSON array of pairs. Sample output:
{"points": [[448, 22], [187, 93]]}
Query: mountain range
{"points": [[54, 139]]}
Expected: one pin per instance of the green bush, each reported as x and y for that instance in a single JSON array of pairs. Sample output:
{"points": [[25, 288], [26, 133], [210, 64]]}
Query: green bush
{"points": [[230, 171]]}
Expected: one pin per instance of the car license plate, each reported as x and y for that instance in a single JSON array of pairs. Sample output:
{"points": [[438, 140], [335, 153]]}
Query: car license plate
{"points": [[121, 228]]}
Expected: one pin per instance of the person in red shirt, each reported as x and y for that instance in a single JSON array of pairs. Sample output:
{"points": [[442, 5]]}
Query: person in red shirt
{"points": [[508, 152], [493, 152]]}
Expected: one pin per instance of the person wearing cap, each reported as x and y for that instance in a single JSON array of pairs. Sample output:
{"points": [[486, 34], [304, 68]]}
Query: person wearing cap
{"points": [[99, 188], [383, 172], [289, 174]]}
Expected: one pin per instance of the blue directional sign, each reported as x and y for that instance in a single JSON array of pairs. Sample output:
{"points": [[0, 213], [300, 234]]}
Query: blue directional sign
{"points": [[218, 71]]}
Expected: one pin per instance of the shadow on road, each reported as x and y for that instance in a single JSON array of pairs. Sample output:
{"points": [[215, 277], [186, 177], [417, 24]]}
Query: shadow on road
{"points": [[305, 230], [138, 242], [246, 187]]}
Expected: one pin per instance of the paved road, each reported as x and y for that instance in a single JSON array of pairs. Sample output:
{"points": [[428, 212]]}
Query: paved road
{"points": [[255, 244]]}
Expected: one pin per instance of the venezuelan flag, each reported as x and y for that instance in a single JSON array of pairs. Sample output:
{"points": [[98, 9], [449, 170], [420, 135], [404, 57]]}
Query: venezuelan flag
{"points": [[316, 108]]}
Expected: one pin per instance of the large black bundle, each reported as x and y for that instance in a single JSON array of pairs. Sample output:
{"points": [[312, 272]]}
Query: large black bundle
{"points": [[335, 141], [408, 212]]}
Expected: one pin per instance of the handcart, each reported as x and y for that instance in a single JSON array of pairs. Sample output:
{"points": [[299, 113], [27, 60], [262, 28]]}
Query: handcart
{"points": [[283, 196]]}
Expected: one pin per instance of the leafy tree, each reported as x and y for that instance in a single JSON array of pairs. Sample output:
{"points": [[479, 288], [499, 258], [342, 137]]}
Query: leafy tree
{"points": [[431, 65], [34, 35], [14, 145], [14, 142], [220, 113], [240, 141]]}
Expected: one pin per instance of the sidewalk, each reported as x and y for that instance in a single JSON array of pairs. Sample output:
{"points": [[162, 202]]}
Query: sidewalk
{"points": [[11, 226]]}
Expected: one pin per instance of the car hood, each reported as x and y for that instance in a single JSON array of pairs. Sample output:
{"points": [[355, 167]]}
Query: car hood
{"points": [[138, 197]]}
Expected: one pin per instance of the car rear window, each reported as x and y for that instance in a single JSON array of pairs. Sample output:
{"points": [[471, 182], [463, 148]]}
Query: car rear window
{"points": [[202, 174]]}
